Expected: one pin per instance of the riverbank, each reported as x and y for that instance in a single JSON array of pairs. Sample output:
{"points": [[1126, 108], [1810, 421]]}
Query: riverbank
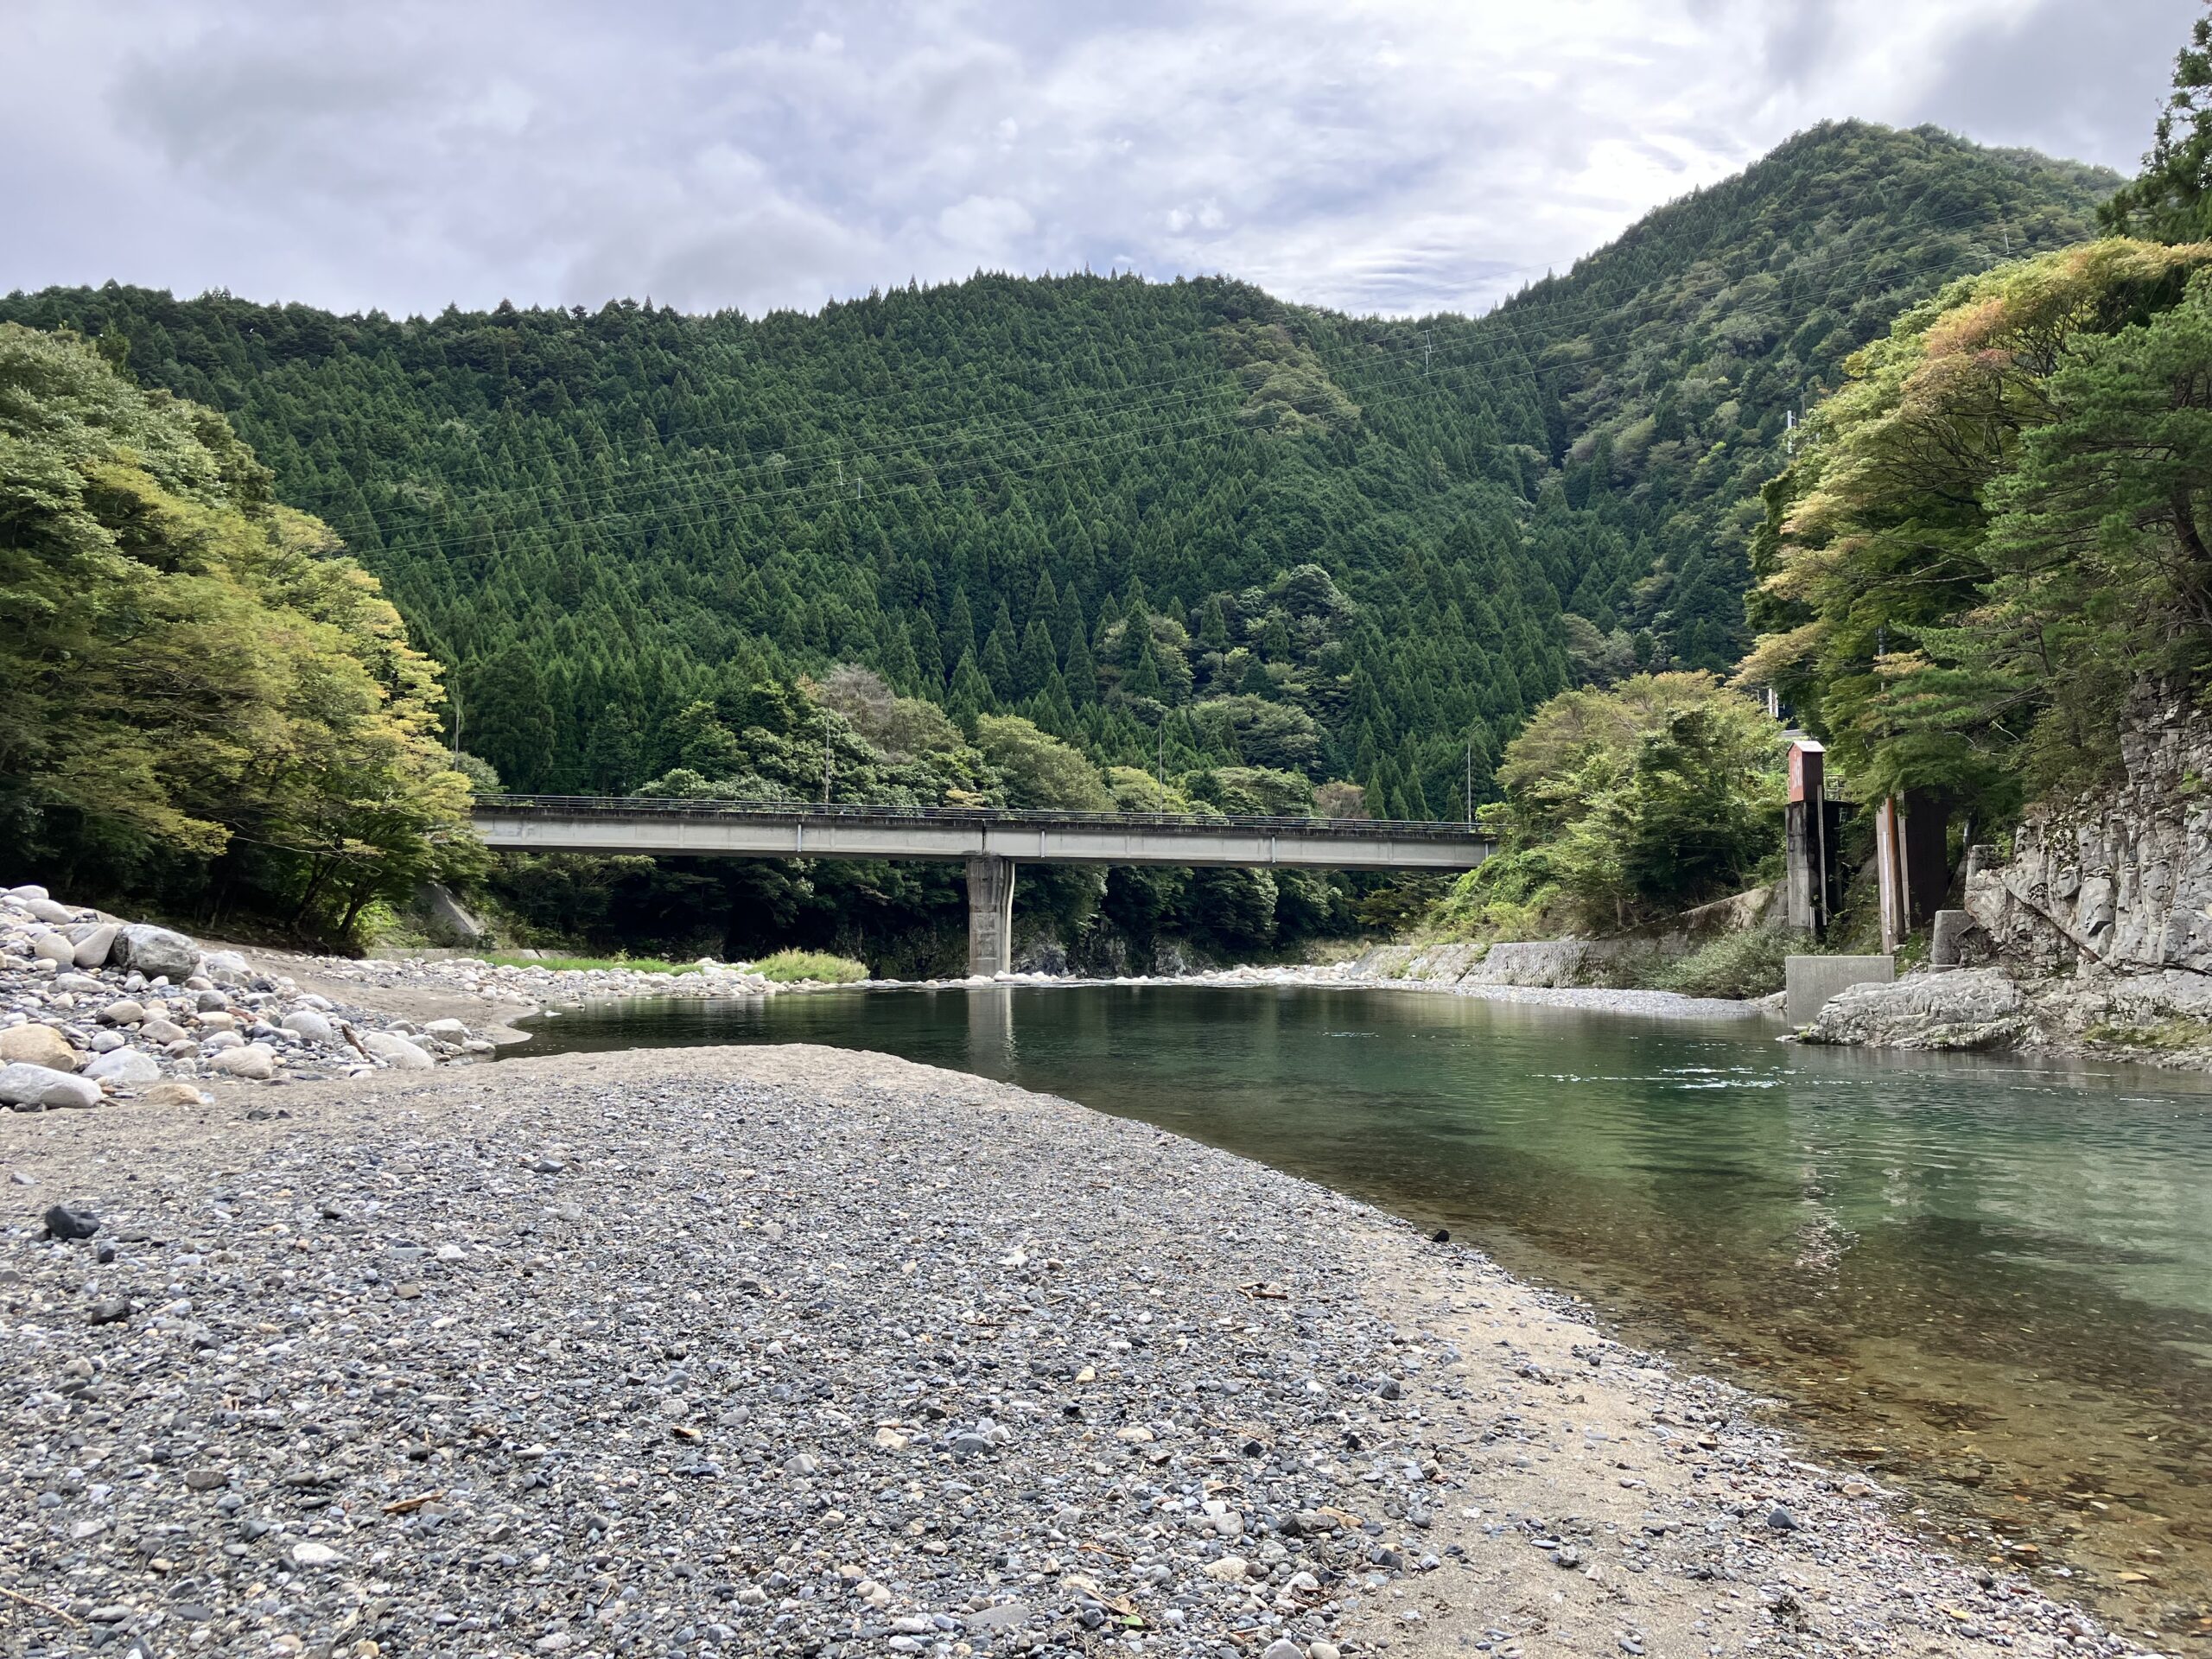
{"points": [[761, 1350], [2145, 1018]]}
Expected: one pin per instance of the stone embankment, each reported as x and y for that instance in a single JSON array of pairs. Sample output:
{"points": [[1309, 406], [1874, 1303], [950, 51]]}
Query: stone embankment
{"points": [[797, 1352], [2093, 937], [1457, 970]]}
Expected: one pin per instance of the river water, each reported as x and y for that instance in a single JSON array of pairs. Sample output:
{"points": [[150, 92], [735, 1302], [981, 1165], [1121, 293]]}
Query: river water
{"points": [[1987, 1282]]}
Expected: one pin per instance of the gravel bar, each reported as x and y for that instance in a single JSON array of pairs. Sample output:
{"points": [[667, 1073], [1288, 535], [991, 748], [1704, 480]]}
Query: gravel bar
{"points": [[800, 1351]]}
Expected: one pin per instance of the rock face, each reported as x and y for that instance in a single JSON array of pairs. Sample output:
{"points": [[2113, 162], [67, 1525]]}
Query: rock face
{"points": [[156, 951], [37, 1044], [2120, 880], [36, 1088], [1975, 1008]]}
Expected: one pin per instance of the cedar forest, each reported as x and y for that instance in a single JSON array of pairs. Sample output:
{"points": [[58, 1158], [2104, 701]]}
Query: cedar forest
{"points": [[1096, 541]]}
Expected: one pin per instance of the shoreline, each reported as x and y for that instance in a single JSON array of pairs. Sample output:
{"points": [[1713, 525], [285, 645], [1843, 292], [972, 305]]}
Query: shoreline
{"points": [[766, 1348]]}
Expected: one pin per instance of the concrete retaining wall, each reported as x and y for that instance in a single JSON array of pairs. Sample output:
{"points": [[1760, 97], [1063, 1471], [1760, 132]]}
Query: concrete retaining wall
{"points": [[1812, 980]]}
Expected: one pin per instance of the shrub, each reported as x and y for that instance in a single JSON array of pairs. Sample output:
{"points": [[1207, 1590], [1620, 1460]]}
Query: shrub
{"points": [[786, 967], [1743, 965]]}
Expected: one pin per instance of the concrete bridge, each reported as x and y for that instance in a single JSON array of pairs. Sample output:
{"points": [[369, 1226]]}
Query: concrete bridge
{"points": [[989, 843]]}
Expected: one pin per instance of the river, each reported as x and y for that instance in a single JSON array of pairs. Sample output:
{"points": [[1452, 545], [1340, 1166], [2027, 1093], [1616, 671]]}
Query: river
{"points": [[1986, 1280]]}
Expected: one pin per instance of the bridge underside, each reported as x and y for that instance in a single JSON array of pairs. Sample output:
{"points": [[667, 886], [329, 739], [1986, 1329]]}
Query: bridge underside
{"points": [[988, 848]]}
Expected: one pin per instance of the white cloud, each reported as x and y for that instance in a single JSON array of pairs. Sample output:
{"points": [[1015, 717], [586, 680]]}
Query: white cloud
{"points": [[1401, 156]]}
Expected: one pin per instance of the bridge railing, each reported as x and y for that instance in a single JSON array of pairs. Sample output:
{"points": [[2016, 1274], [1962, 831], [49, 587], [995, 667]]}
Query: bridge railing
{"points": [[813, 812]]}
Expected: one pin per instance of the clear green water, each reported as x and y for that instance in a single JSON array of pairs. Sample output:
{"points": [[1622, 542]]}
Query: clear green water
{"points": [[1988, 1280]]}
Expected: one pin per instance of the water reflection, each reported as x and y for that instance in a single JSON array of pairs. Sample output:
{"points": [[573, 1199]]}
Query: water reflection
{"points": [[1990, 1278]]}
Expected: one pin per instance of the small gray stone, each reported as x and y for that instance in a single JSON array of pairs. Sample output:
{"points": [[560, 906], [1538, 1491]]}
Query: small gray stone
{"points": [[63, 1222]]}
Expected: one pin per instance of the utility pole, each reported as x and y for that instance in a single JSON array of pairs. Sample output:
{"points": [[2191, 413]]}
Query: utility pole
{"points": [[1160, 754], [826, 754], [1471, 780], [1790, 433], [1427, 344]]}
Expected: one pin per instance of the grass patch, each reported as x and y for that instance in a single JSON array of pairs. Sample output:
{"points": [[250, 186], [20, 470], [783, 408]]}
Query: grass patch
{"points": [[1741, 965], [786, 967], [585, 965]]}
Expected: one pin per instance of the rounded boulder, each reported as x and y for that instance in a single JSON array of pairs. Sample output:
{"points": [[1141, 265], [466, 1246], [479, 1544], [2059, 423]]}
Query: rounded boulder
{"points": [[155, 952], [39, 1088], [37, 1044], [130, 1066]]}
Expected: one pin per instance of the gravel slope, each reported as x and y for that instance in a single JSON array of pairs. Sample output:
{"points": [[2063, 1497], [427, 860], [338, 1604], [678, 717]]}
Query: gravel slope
{"points": [[800, 1351]]}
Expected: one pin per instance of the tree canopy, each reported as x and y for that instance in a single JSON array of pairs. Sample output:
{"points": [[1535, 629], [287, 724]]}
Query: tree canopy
{"points": [[197, 688]]}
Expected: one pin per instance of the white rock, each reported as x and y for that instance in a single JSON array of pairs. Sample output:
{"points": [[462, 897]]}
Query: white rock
{"points": [[309, 1025], [92, 947], [1230, 1569], [124, 1065], [453, 1031], [27, 891], [47, 910], [256, 1061], [32, 1086], [395, 1051], [308, 1553], [53, 947], [224, 965]]}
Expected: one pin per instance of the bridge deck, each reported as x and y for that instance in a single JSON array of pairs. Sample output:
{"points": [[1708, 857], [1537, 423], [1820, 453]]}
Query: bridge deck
{"points": [[572, 823]]}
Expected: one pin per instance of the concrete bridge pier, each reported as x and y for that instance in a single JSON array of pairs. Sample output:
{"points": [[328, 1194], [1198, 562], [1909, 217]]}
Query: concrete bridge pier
{"points": [[990, 915]]}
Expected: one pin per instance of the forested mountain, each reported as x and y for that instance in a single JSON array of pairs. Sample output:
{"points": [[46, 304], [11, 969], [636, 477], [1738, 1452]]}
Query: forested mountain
{"points": [[1175, 520]]}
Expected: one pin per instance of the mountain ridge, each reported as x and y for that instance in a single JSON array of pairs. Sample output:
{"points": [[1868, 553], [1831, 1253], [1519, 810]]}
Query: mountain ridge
{"points": [[597, 519]]}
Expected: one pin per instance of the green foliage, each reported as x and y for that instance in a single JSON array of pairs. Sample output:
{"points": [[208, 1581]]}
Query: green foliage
{"points": [[1145, 516], [1995, 531], [1749, 964], [1662, 792], [201, 700], [789, 967], [1038, 771]]}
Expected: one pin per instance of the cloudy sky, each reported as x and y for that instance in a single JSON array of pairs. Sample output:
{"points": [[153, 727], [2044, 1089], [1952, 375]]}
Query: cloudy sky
{"points": [[1390, 155]]}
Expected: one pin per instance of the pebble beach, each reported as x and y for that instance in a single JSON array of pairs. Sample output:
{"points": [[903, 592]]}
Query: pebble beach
{"points": [[793, 1350]]}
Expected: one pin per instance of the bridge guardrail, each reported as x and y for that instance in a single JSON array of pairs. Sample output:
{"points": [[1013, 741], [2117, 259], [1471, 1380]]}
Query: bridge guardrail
{"points": [[641, 806]]}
